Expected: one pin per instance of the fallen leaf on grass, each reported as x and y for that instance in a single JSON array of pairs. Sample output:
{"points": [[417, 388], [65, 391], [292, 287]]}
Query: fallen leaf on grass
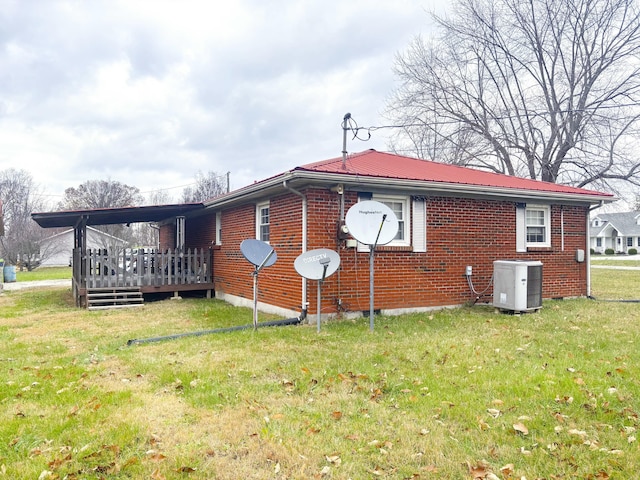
{"points": [[494, 412], [478, 471], [156, 475], [333, 459], [155, 456], [580, 433], [521, 428], [507, 470], [377, 471], [185, 470], [482, 424]]}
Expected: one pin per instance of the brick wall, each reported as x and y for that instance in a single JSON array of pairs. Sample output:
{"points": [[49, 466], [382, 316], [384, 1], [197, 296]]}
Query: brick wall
{"points": [[460, 232]]}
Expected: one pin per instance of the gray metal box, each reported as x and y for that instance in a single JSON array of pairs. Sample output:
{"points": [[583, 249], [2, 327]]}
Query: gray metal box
{"points": [[517, 285]]}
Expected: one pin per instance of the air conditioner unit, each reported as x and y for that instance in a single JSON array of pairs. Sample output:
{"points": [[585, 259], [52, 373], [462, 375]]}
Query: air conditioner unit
{"points": [[517, 285]]}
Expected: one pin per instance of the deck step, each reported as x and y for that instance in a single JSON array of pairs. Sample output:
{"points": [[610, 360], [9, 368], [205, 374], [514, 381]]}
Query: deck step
{"points": [[114, 297]]}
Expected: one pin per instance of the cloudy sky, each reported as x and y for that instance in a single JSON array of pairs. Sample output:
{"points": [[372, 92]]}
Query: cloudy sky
{"points": [[148, 93]]}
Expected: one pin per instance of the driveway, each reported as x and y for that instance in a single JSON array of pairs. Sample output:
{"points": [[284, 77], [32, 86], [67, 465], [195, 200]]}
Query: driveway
{"points": [[36, 284]]}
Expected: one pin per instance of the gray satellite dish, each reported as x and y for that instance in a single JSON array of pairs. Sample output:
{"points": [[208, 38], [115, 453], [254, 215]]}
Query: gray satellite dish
{"points": [[372, 223], [261, 255], [317, 264]]}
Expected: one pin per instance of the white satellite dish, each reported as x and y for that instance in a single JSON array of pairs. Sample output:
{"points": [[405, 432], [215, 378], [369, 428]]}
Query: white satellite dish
{"points": [[372, 223], [259, 253], [317, 264]]}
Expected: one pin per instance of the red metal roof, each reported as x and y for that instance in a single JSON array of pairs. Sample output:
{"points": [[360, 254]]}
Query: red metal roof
{"points": [[372, 163]]}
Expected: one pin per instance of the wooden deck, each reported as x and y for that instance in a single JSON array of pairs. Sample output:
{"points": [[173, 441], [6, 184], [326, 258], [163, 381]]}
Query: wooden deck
{"points": [[151, 271]]}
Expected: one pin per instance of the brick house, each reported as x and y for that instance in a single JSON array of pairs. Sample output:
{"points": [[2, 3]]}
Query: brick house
{"points": [[449, 217]]}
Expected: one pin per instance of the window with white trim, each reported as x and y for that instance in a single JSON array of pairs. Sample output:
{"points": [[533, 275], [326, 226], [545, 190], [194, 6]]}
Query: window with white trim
{"points": [[533, 226], [262, 222], [400, 206], [218, 228]]}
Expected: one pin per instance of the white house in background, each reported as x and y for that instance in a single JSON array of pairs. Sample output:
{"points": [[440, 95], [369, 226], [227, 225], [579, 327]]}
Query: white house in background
{"points": [[618, 231], [57, 250]]}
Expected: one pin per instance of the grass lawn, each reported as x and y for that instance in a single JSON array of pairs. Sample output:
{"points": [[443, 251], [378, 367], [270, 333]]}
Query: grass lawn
{"points": [[455, 394], [43, 273]]}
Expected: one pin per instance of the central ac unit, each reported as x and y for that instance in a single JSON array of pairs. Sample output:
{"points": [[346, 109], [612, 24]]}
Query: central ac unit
{"points": [[517, 285]]}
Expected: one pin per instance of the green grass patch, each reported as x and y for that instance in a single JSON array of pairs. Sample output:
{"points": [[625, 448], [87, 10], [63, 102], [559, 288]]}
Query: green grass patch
{"points": [[43, 273], [448, 394]]}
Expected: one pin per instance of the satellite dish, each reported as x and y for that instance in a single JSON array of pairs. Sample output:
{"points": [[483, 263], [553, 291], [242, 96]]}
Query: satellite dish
{"points": [[259, 253], [372, 223], [317, 264], [262, 255]]}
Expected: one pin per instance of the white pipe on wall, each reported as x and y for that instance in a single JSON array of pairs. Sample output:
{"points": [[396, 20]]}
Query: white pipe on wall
{"points": [[304, 235]]}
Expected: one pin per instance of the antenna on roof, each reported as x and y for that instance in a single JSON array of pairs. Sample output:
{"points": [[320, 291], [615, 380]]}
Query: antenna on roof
{"points": [[347, 116]]}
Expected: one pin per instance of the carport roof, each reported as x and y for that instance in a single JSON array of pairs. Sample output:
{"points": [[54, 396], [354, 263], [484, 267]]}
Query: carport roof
{"points": [[110, 216]]}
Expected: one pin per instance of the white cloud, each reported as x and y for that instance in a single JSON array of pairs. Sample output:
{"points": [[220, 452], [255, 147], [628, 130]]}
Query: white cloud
{"points": [[150, 92]]}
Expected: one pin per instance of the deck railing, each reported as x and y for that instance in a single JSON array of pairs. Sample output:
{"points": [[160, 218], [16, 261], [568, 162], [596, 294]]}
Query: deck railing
{"points": [[101, 268]]}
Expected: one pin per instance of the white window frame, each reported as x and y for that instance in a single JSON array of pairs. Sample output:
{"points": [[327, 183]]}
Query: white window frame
{"points": [[259, 224], [404, 224], [218, 228], [522, 244], [546, 218]]}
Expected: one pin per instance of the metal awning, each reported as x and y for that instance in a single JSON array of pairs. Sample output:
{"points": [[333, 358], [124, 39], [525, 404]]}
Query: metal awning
{"points": [[111, 216]]}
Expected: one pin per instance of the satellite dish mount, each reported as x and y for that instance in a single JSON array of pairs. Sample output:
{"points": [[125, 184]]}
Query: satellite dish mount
{"points": [[261, 255], [372, 223], [317, 265]]}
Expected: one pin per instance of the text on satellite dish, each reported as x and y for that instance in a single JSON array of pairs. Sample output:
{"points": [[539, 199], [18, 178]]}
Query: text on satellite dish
{"points": [[370, 212], [314, 258]]}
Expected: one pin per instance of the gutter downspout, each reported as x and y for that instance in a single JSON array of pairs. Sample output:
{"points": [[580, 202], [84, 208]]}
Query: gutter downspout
{"points": [[304, 235], [587, 250]]}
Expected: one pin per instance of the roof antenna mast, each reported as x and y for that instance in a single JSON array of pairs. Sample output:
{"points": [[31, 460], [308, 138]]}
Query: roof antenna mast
{"points": [[347, 116]]}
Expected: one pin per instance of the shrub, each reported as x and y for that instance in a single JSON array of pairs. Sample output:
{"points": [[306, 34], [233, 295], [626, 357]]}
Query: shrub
{"points": [[632, 251], [609, 251]]}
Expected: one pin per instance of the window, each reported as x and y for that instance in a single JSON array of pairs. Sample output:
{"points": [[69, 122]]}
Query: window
{"points": [[399, 206], [536, 225], [533, 226], [218, 228], [402, 206], [629, 241], [598, 242], [639, 241], [262, 222]]}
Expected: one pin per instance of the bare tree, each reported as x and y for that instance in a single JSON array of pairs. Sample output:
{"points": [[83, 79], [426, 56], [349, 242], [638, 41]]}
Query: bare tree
{"points": [[207, 186], [543, 89], [20, 197], [159, 197], [103, 194], [100, 194], [147, 234]]}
